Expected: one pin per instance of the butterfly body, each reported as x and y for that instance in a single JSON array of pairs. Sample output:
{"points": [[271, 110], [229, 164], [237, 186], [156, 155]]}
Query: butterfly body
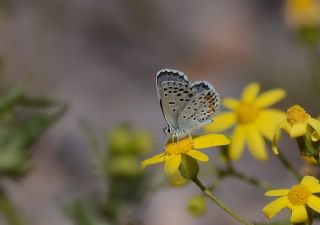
{"points": [[186, 106]]}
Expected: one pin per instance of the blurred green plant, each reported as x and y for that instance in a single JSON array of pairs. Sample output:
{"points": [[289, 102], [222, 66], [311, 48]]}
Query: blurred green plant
{"points": [[127, 185], [82, 213], [23, 119], [197, 206], [119, 164]]}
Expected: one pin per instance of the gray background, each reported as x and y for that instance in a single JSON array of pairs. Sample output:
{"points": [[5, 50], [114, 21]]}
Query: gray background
{"points": [[101, 56]]}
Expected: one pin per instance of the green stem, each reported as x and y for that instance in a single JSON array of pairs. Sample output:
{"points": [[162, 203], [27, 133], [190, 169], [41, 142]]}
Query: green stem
{"points": [[214, 185], [252, 181], [289, 167], [219, 203], [8, 210], [230, 171]]}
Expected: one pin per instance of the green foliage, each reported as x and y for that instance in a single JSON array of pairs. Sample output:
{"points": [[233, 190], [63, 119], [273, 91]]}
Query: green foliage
{"points": [[309, 35], [81, 213], [307, 146], [119, 161], [23, 120]]}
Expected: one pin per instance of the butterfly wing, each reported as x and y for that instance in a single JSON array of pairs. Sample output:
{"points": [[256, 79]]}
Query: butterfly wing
{"points": [[201, 107], [174, 93]]}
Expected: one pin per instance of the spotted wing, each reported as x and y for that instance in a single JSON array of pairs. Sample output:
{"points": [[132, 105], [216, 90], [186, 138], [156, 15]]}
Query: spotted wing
{"points": [[202, 106], [174, 92]]}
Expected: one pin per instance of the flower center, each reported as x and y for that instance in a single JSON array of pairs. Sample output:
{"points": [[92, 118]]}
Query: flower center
{"points": [[179, 147], [299, 194], [247, 112], [296, 114]]}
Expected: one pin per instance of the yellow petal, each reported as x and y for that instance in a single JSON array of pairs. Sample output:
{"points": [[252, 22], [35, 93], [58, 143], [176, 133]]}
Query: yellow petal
{"points": [[286, 126], [250, 92], [314, 188], [268, 120], [314, 203], [237, 142], [269, 98], [309, 180], [176, 180], [310, 159], [298, 130], [277, 192], [275, 140], [276, 136], [210, 140], [198, 155], [315, 124], [299, 214], [172, 164], [153, 160], [256, 144], [230, 103], [222, 122], [275, 206]]}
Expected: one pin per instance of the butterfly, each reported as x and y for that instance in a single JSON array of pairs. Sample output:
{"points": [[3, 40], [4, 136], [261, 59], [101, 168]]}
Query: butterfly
{"points": [[185, 106]]}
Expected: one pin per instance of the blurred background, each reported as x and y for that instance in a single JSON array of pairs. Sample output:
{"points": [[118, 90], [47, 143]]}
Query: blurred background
{"points": [[101, 57]]}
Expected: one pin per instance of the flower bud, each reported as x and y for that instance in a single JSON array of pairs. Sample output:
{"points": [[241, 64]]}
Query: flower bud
{"points": [[189, 167], [124, 165], [142, 142], [197, 206], [120, 140]]}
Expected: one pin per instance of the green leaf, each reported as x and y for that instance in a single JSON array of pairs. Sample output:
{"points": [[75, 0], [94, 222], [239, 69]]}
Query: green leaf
{"points": [[16, 140], [11, 98], [307, 146]]}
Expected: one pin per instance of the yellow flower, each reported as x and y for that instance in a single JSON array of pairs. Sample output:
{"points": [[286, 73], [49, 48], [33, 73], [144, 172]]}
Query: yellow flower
{"points": [[173, 151], [297, 199], [252, 118], [296, 125], [300, 13]]}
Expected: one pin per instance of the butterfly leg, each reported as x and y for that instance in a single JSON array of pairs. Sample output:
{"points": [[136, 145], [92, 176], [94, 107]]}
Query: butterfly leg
{"points": [[178, 140], [189, 135]]}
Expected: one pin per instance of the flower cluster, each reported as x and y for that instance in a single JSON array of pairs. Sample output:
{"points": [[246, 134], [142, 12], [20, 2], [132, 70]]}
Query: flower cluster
{"points": [[253, 124]]}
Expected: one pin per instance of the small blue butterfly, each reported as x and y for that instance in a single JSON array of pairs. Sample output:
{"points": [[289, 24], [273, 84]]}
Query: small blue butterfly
{"points": [[185, 106]]}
